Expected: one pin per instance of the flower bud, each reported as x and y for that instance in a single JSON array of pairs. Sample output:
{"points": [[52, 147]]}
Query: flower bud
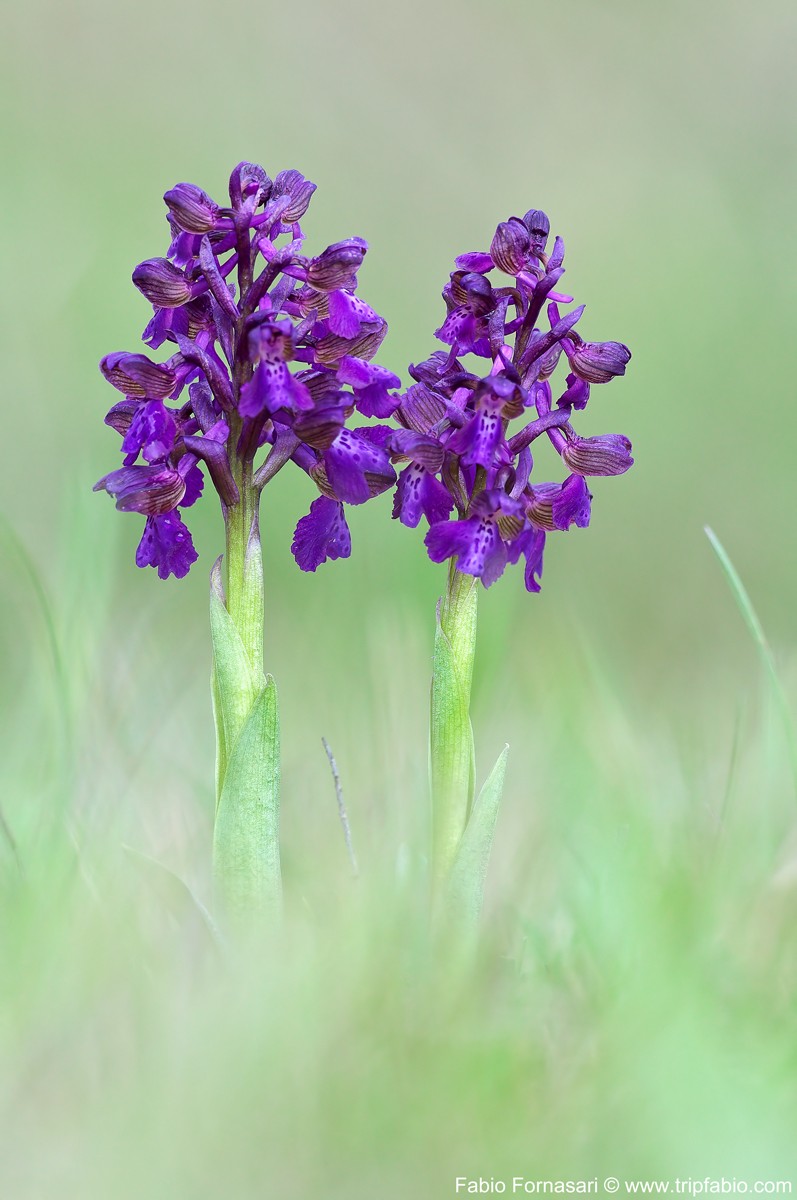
{"points": [[299, 190], [539, 227], [163, 284], [510, 246], [608, 454], [597, 362], [192, 209], [137, 375], [249, 180], [337, 266], [149, 490]]}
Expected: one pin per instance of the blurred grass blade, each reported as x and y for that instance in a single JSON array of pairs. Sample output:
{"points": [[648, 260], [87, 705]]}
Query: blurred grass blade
{"points": [[451, 750], [246, 858], [750, 617], [48, 620], [177, 897], [465, 890]]}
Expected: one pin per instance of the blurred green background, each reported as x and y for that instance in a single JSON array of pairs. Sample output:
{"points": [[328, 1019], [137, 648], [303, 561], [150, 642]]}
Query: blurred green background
{"points": [[641, 898]]}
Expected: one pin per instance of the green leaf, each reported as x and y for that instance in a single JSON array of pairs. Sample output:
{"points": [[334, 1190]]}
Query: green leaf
{"points": [[451, 754], [465, 890], [246, 836], [221, 745]]}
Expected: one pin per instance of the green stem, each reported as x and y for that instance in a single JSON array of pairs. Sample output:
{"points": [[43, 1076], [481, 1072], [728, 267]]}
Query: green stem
{"points": [[246, 860], [244, 564], [451, 755]]}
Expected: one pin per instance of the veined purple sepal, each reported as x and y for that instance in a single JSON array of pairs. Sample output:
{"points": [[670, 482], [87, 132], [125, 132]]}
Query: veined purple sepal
{"points": [[597, 362], [606, 454], [510, 246], [163, 284], [146, 489], [191, 208], [337, 266], [291, 195], [137, 375]]}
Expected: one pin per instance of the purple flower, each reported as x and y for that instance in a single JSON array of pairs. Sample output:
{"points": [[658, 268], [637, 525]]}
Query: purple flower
{"points": [[337, 266], [371, 385], [322, 534], [151, 432], [166, 544], [192, 209], [457, 420], [356, 469], [151, 490], [597, 362], [274, 349], [607, 454], [477, 541], [136, 375], [163, 284], [418, 492], [530, 544]]}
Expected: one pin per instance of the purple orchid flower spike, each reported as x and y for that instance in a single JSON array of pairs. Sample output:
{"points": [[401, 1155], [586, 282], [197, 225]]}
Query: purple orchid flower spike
{"points": [[268, 357], [464, 452], [274, 357], [472, 451]]}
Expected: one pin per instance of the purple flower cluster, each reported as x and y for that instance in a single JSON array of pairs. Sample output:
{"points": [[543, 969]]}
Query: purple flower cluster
{"points": [[232, 346], [461, 455]]}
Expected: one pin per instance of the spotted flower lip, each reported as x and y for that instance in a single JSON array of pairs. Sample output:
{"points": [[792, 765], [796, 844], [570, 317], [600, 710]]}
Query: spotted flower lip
{"points": [[166, 544], [323, 534], [469, 469], [274, 350]]}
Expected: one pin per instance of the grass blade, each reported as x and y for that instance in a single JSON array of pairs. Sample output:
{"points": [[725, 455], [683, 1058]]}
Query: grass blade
{"points": [[751, 620]]}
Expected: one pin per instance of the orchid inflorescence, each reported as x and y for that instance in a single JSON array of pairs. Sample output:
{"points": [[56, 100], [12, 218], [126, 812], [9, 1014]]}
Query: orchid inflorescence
{"points": [[456, 421], [232, 350]]}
